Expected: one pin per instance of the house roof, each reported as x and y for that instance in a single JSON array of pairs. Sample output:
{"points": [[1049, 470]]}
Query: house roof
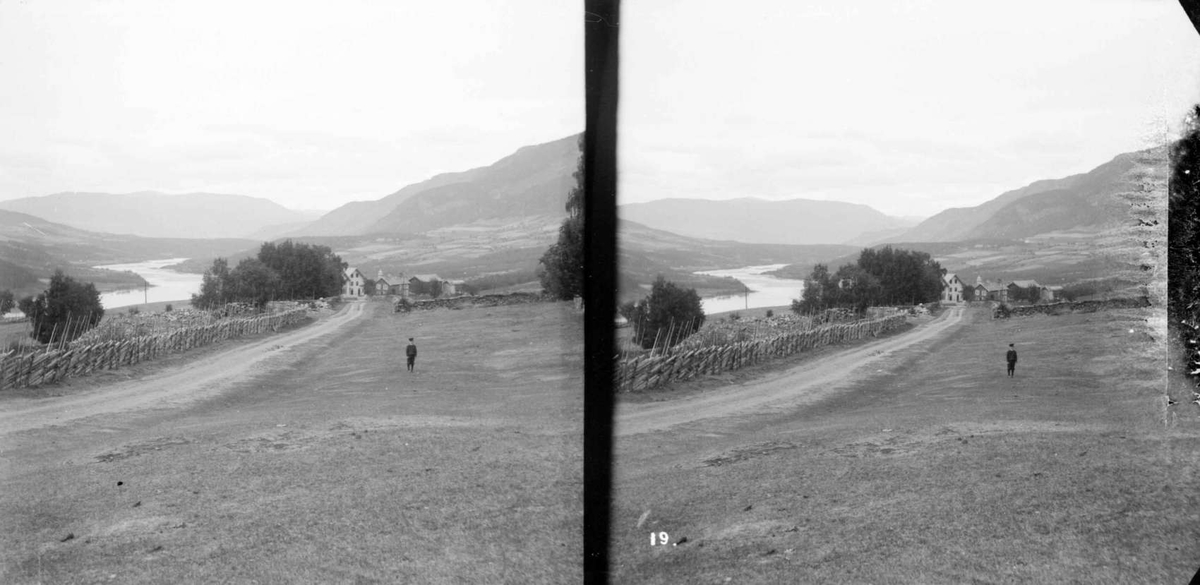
{"points": [[1024, 283], [1054, 287], [949, 277], [990, 286], [425, 277], [351, 270]]}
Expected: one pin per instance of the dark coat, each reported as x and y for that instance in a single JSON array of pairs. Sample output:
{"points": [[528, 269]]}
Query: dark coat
{"points": [[1012, 356], [411, 350]]}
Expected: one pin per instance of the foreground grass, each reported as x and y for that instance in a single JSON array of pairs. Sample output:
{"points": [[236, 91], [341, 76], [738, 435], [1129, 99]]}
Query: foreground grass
{"points": [[335, 467], [935, 469]]}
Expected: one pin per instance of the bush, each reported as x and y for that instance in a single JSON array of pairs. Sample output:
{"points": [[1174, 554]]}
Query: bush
{"points": [[1002, 312], [168, 309], [735, 316], [64, 311], [770, 313], [133, 310], [667, 316]]}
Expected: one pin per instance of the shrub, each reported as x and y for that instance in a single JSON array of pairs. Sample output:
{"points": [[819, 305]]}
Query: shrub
{"points": [[770, 313], [1002, 312], [735, 316], [64, 311], [168, 309], [133, 310], [667, 316]]}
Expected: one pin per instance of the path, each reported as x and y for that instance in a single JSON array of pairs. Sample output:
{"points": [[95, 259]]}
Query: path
{"points": [[803, 384], [194, 381]]}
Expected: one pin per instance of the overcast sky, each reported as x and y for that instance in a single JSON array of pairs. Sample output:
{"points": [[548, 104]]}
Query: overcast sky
{"points": [[908, 106], [311, 104]]}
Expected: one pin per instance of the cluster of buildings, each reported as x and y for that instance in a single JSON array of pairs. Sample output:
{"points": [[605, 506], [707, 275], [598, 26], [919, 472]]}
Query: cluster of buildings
{"points": [[953, 288], [354, 284]]}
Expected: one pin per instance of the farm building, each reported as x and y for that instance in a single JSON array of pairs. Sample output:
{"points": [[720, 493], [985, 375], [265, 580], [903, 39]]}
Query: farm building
{"points": [[352, 283], [990, 291], [952, 289], [1015, 287], [1051, 293], [388, 284]]}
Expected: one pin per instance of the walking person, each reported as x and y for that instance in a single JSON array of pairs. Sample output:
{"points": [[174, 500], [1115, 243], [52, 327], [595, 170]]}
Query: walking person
{"points": [[411, 352], [1012, 360]]}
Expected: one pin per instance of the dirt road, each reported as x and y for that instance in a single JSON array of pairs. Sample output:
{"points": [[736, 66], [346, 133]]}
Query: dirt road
{"points": [[195, 381], [781, 390], [311, 456], [915, 459]]}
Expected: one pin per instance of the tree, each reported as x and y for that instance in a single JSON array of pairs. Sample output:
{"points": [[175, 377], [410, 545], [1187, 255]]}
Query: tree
{"points": [[254, 282], [7, 302], [434, 287], [64, 311], [368, 286], [667, 316], [561, 270], [304, 270], [217, 287]]}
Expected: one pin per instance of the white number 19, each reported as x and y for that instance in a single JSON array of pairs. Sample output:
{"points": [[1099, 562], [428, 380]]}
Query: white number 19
{"points": [[658, 538]]}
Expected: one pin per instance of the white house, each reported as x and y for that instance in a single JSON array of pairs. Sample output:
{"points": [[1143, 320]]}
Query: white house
{"points": [[952, 289], [352, 283]]}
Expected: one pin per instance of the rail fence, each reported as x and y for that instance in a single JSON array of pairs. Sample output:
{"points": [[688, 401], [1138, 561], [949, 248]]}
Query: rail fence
{"points": [[43, 367], [677, 364]]}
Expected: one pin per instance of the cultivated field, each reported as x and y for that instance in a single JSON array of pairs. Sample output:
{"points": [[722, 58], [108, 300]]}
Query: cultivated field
{"points": [[922, 463], [311, 457]]}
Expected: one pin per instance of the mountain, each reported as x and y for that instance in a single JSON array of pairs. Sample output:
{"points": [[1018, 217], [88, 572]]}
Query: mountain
{"points": [[31, 248], [1077, 201], [644, 252], [794, 221], [158, 215], [533, 181]]}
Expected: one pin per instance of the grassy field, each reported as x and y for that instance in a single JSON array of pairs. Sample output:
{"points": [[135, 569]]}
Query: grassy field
{"points": [[934, 467], [331, 465]]}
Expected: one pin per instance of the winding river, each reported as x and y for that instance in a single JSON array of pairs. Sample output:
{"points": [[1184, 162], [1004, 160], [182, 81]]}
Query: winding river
{"points": [[165, 285], [766, 291]]}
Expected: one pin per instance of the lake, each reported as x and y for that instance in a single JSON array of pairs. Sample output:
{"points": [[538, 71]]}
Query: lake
{"points": [[165, 285], [766, 291]]}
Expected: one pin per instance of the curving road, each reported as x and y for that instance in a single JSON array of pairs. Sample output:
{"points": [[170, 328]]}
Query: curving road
{"points": [[795, 386], [197, 380]]}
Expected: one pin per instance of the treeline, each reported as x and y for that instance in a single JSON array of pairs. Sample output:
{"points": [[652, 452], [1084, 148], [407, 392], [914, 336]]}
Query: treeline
{"points": [[280, 272], [887, 276]]}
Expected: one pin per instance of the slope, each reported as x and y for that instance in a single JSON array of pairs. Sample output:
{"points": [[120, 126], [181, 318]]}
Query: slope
{"points": [[158, 215], [31, 249], [533, 181], [1040, 207], [794, 221]]}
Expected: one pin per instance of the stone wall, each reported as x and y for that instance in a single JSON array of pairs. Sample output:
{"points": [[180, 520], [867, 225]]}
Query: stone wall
{"points": [[1074, 307], [480, 301]]}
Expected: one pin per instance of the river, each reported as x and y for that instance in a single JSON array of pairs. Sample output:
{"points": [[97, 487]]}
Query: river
{"points": [[766, 291], [165, 285]]}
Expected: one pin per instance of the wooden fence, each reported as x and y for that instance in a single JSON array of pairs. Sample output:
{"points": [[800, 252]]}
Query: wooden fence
{"points": [[646, 372], [43, 367]]}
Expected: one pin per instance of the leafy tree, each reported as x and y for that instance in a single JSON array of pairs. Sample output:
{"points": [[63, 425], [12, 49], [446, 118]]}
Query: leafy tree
{"points": [[64, 311], [561, 271], [7, 302], [368, 286], [254, 282], [304, 270], [668, 315], [886, 276], [217, 288], [434, 286]]}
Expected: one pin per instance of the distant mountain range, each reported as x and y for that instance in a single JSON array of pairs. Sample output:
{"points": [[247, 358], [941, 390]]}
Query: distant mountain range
{"points": [[533, 181], [749, 220], [157, 215]]}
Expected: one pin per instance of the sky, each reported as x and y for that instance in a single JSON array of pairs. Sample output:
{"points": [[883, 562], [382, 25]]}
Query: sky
{"points": [[310, 104], [910, 107]]}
